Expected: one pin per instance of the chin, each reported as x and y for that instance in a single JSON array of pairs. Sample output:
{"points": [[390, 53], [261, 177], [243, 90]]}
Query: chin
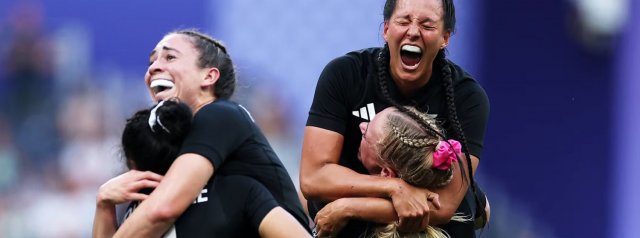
{"points": [[409, 77]]}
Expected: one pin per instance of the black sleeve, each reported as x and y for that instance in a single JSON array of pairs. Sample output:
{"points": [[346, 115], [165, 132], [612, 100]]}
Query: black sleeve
{"points": [[329, 106], [258, 202], [473, 114], [217, 130]]}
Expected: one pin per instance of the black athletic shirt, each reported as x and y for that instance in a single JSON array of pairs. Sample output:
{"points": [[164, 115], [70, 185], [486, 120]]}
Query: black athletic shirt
{"points": [[225, 134], [228, 206], [348, 93]]}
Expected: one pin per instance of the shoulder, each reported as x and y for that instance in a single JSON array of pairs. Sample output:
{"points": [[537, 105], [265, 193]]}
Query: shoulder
{"points": [[464, 82], [222, 109], [355, 60]]}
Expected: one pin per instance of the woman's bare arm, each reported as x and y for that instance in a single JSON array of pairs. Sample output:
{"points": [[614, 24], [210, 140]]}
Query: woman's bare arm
{"points": [[183, 182]]}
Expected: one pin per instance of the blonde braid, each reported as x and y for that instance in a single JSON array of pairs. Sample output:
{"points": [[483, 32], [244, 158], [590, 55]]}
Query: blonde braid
{"points": [[427, 119], [413, 142]]}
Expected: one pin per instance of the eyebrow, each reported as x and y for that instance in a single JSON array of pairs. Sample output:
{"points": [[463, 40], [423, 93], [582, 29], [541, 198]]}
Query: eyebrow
{"points": [[164, 48], [423, 20]]}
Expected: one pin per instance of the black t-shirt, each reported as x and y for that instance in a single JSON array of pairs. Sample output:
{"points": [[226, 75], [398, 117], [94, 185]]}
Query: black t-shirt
{"points": [[225, 133], [228, 206], [348, 93]]}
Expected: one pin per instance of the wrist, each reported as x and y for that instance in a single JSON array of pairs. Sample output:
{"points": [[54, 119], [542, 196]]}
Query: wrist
{"points": [[105, 205], [392, 187], [102, 200], [348, 211]]}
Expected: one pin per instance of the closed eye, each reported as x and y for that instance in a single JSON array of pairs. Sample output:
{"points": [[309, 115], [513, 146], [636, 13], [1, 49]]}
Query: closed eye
{"points": [[428, 27], [402, 22], [151, 60]]}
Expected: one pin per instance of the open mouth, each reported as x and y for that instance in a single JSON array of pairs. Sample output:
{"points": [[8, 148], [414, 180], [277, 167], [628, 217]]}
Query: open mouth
{"points": [[161, 85], [410, 55]]}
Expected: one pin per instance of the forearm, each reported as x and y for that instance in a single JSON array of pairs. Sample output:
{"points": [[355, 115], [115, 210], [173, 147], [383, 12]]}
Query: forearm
{"points": [[183, 182], [279, 223], [143, 223], [322, 178], [104, 221], [333, 181], [451, 195], [377, 210]]}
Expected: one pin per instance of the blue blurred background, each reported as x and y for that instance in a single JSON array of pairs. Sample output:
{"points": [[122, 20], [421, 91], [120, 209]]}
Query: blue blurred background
{"points": [[562, 146]]}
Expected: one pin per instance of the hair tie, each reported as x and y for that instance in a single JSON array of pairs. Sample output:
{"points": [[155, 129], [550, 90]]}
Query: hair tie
{"points": [[445, 154], [153, 118]]}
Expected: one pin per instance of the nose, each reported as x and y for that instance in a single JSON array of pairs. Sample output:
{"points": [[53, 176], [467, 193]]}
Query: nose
{"points": [[363, 127], [156, 66], [413, 31]]}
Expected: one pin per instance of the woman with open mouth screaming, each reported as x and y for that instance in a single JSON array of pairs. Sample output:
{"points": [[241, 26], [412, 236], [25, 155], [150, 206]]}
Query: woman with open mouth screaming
{"points": [[410, 70]]}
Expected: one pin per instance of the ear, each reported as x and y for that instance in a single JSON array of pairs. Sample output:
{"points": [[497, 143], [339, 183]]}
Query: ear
{"points": [[131, 164], [388, 172], [385, 29], [211, 77], [446, 36]]}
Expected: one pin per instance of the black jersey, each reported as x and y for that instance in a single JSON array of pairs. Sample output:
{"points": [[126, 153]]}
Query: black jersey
{"points": [[348, 93], [225, 133], [228, 206]]}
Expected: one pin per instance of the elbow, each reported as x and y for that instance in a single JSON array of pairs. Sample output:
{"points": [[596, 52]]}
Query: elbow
{"points": [[164, 214], [308, 187]]}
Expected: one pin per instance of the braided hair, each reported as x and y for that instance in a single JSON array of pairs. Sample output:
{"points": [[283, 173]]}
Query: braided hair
{"points": [[452, 116], [213, 54], [410, 150]]}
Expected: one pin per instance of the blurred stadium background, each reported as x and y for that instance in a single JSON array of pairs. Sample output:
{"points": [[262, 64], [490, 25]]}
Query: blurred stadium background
{"points": [[562, 147]]}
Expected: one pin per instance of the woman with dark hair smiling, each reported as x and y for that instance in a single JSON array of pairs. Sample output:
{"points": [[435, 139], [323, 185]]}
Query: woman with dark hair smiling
{"points": [[198, 70]]}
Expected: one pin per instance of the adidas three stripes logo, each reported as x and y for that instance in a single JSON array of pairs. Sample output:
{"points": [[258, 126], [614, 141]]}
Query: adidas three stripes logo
{"points": [[367, 112]]}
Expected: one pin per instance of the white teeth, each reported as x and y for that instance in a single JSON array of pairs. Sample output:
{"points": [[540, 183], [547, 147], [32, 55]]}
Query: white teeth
{"points": [[412, 48], [161, 83]]}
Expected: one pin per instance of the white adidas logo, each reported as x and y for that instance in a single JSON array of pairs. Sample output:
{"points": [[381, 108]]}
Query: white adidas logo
{"points": [[367, 112]]}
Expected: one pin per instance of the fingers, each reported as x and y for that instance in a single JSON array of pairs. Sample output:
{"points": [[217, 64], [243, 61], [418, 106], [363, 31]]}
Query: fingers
{"points": [[139, 175], [413, 220], [323, 234], [137, 185], [411, 225], [137, 197], [321, 231], [434, 198], [424, 223]]}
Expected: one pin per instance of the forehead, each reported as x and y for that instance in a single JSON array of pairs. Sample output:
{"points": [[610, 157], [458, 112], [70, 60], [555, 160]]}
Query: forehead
{"points": [[179, 42], [431, 9], [378, 122]]}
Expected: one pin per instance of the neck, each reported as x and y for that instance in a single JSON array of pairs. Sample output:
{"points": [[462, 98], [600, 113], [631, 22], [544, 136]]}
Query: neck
{"points": [[201, 102], [407, 87]]}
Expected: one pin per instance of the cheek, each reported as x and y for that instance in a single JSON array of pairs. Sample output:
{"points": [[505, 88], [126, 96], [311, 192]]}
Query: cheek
{"points": [[432, 38], [398, 31], [147, 79]]}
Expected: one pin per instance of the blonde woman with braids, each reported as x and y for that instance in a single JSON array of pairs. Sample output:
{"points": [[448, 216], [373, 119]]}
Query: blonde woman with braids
{"points": [[398, 146]]}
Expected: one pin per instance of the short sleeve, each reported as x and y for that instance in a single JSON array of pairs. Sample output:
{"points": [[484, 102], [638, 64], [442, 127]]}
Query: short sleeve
{"points": [[217, 130], [473, 114], [259, 201], [328, 108]]}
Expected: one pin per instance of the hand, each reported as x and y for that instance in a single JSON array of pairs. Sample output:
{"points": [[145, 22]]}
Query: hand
{"points": [[411, 205], [125, 187], [331, 219]]}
